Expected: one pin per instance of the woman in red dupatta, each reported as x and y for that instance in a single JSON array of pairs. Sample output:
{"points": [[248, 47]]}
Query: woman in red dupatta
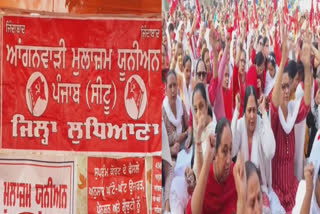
{"points": [[215, 191]]}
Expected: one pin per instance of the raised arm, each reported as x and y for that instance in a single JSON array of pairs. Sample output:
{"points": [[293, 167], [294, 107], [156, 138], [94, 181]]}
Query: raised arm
{"points": [[236, 135], [267, 136], [305, 59], [199, 191], [308, 174], [277, 86], [223, 63], [215, 44]]}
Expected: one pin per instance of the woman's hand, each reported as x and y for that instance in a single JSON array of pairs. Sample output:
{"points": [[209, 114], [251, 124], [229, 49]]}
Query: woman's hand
{"points": [[211, 148], [201, 126], [309, 175], [175, 149], [239, 174], [262, 104]]}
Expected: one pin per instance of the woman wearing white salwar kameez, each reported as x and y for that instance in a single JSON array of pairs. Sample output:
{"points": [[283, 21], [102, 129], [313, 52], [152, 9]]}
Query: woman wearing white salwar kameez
{"points": [[254, 137], [179, 196], [175, 119]]}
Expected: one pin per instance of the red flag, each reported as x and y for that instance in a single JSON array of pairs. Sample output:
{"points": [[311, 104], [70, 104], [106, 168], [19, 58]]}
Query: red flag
{"points": [[181, 5], [199, 13], [36, 91], [256, 24], [285, 12], [295, 18], [318, 13], [173, 6], [275, 4], [311, 15], [271, 17], [135, 93], [277, 48], [236, 17]]}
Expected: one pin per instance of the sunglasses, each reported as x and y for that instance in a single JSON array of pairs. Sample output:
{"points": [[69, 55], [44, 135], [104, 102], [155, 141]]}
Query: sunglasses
{"points": [[201, 74]]}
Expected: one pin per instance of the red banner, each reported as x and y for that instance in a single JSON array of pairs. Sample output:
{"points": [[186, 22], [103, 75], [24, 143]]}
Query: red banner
{"points": [[116, 185], [81, 84], [156, 185]]}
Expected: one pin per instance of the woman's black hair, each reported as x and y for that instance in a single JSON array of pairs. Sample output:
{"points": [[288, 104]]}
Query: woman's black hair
{"points": [[223, 122], [186, 59], [259, 38], [251, 169], [170, 27], [205, 67], [200, 87], [272, 59], [223, 45], [250, 90], [259, 60], [300, 69], [171, 72], [265, 40], [315, 44], [291, 68]]}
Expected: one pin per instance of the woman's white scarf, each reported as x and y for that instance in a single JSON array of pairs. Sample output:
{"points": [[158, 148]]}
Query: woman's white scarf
{"points": [[244, 139], [293, 110], [177, 122], [270, 81], [187, 91], [231, 62]]}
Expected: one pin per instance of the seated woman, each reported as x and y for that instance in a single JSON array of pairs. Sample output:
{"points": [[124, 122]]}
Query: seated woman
{"points": [[253, 135], [284, 115], [185, 83], [175, 119], [205, 126], [215, 190]]}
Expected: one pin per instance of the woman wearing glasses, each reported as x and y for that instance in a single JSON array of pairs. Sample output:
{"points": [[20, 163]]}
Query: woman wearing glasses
{"points": [[284, 115]]}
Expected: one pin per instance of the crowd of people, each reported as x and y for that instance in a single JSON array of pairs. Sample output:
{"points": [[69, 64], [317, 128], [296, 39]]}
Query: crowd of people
{"points": [[240, 113]]}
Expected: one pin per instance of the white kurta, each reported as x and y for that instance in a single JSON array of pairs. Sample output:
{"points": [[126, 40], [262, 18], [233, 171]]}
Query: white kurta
{"points": [[262, 152]]}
